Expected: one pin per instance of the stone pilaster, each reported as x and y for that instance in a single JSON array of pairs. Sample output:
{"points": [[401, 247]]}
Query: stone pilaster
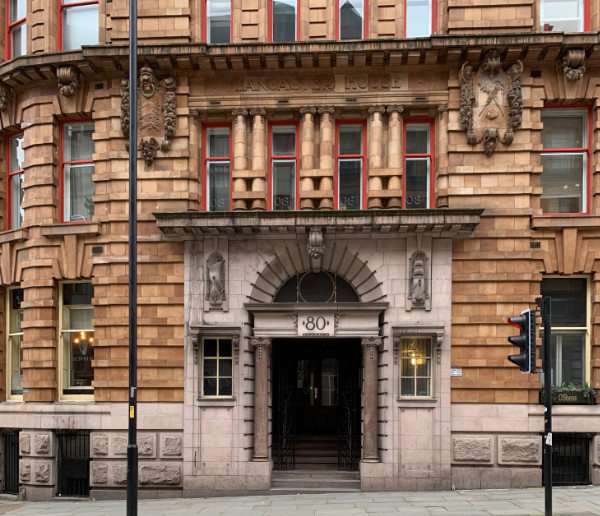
{"points": [[307, 154], [240, 159], [375, 155], [395, 153], [326, 157], [370, 346], [259, 183], [261, 398]]}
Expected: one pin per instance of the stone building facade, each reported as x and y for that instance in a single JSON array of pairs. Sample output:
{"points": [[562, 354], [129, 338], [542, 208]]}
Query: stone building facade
{"points": [[339, 205]]}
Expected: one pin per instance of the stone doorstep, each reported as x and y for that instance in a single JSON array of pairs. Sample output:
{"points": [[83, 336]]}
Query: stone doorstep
{"points": [[315, 481]]}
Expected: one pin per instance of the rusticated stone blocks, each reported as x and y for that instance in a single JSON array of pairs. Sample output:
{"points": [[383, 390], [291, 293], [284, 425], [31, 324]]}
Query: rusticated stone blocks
{"points": [[473, 449], [519, 450], [99, 445], [160, 474], [171, 445], [24, 443], [42, 444]]}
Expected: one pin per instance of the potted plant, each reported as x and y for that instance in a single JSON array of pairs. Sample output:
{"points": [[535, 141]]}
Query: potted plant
{"points": [[571, 394]]}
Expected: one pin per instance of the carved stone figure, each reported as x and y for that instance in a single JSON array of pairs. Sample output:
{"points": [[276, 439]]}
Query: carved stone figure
{"points": [[125, 111], [573, 64], [68, 80], [216, 279], [418, 281], [4, 94]]}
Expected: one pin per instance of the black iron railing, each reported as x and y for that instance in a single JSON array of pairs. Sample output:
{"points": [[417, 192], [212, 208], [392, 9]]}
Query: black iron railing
{"points": [[571, 459], [11, 462], [73, 463]]}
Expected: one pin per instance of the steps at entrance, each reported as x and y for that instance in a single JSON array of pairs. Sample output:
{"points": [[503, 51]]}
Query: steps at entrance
{"points": [[314, 481], [316, 451]]}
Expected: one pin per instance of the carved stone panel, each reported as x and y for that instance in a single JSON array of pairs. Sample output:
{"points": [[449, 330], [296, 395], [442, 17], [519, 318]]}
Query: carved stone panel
{"points": [[418, 274]]}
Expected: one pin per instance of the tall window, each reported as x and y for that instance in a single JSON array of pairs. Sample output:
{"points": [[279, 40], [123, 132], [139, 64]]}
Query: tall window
{"points": [[218, 21], [16, 40], [415, 366], [15, 181], [565, 160], [564, 15], [418, 165], [284, 19], [350, 163], [77, 337], [351, 19], [283, 146], [78, 23], [569, 328], [77, 170], [419, 19], [15, 338], [217, 367], [217, 168]]}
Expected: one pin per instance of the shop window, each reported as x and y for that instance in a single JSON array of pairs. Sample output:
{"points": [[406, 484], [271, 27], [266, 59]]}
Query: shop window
{"points": [[16, 39], [218, 21], [283, 145], [564, 15], [77, 338], [217, 367], [351, 19], [78, 24], [15, 340], [418, 165], [569, 329], [415, 366], [565, 160], [14, 203], [350, 159], [217, 152], [77, 169], [284, 20], [419, 19]]}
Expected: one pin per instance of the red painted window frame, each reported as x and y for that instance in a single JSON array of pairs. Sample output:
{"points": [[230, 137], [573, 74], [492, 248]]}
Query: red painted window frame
{"points": [[205, 26], [62, 7], [206, 159], [294, 157], [270, 20], [336, 17], [9, 29], [587, 16], [363, 156], [433, 17], [430, 155], [9, 175], [587, 150], [61, 199]]}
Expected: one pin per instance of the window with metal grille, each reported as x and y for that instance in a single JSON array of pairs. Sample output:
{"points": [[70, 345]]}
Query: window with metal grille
{"points": [[11, 462], [73, 463], [571, 459]]}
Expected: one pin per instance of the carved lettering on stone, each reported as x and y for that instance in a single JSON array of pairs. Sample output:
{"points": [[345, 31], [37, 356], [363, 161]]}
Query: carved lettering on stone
{"points": [[160, 474], [42, 472], [41, 444], [472, 449], [24, 443], [171, 445], [99, 473], [100, 444], [519, 450]]}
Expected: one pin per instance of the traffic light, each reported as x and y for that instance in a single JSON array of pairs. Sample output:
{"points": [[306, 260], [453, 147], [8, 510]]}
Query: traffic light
{"points": [[525, 341]]}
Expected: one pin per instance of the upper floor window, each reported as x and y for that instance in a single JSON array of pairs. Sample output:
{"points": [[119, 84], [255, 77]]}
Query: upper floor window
{"points": [[16, 40], [569, 355], [418, 165], [15, 339], [78, 23], [77, 338], [565, 160], [350, 159], [419, 20], [350, 19], [217, 152], [15, 181], [218, 21], [415, 366], [283, 145], [284, 20], [77, 169], [564, 15]]}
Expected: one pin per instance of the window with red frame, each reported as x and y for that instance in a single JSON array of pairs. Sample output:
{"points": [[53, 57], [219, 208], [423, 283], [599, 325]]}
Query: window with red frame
{"points": [[351, 19], [218, 21], [417, 180], [15, 181], [565, 15], [217, 152], [283, 145], [16, 41], [77, 167], [350, 160], [284, 20], [565, 160], [78, 24], [419, 21]]}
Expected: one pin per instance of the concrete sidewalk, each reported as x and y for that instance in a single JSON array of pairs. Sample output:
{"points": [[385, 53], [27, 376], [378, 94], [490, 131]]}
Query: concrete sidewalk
{"points": [[573, 501]]}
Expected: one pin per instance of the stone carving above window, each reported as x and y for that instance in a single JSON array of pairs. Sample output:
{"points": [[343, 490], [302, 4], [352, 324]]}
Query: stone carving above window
{"points": [[215, 284], [68, 80], [418, 274], [573, 64], [490, 101]]}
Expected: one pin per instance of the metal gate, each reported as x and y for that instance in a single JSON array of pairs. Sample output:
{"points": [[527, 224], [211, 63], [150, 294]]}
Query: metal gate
{"points": [[73, 463], [571, 459], [11, 462]]}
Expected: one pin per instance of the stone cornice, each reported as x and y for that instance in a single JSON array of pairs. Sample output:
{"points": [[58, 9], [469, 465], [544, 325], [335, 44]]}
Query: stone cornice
{"points": [[442, 223]]}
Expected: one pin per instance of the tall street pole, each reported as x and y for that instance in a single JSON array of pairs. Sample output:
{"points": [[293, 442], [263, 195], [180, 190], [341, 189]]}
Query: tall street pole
{"points": [[545, 304], [132, 450]]}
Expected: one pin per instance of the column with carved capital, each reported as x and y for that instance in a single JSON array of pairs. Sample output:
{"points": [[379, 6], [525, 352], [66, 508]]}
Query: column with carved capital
{"points": [[370, 347], [259, 182], [375, 156], [240, 160], [261, 398], [395, 154], [326, 148], [307, 155]]}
